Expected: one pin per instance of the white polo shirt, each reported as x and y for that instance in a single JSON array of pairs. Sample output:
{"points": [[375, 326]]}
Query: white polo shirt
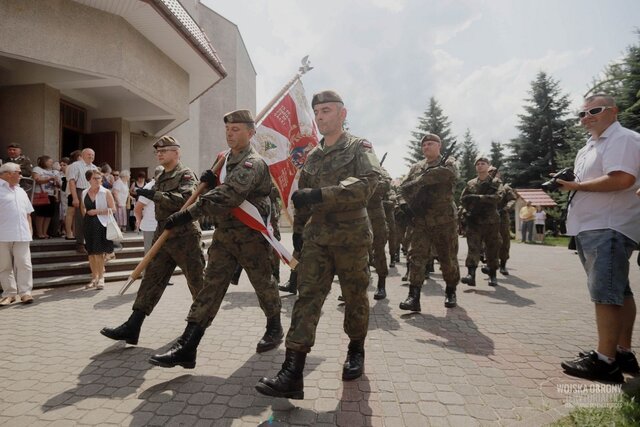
{"points": [[14, 207], [617, 149], [148, 222], [77, 171]]}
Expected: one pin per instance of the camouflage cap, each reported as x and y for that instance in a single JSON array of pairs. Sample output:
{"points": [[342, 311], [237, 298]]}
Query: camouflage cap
{"points": [[166, 141], [326, 96], [482, 158], [239, 116], [431, 137]]}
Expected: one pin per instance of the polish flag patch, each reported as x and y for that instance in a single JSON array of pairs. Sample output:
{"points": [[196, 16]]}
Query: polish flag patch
{"points": [[366, 144], [248, 165]]}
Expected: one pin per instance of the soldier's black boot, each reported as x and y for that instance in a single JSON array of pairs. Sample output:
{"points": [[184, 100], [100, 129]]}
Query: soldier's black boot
{"points": [[354, 364], [272, 336], [430, 266], [287, 383], [392, 262], [291, 285], [381, 293], [493, 280], [184, 351], [236, 275], [470, 279], [450, 299], [485, 270], [503, 268], [129, 331], [412, 303]]}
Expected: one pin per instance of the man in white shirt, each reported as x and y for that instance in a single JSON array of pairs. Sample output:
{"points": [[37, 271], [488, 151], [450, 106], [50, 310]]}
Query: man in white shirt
{"points": [[77, 183], [603, 216], [16, 274]]}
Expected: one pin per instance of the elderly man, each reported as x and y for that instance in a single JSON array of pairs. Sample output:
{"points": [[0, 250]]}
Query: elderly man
{"points": [[336, 182], [603, 216], [15, 234], [14, 155], [77, 180]]}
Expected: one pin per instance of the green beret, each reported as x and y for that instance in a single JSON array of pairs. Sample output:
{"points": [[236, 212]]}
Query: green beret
{"points": [[239, 116], [326, 96], [430, 137], [166, 141]]}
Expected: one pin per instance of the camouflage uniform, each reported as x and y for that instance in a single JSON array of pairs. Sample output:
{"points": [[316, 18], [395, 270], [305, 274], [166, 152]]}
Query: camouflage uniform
{"points": [[480, 199], [430, 197], [376, 212], [25, 165], [336, 236], [233, 242], [506, 205], [182, 248], [389, 204]]}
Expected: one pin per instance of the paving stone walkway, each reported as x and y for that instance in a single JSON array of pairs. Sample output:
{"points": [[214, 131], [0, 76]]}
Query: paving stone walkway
{"points": [[494, 360]]}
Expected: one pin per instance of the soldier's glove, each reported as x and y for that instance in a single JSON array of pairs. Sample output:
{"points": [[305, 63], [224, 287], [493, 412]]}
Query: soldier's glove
{"points": [[306, 197], [209, 178], [146, 193], [297, 242], [178, 218]]}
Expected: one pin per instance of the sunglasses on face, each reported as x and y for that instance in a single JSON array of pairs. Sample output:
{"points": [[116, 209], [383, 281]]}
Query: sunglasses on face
{"points": [[592, 112]]}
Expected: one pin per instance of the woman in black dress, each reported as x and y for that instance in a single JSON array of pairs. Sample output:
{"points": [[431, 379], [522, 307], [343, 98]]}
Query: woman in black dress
{"points": [[95, 204]]}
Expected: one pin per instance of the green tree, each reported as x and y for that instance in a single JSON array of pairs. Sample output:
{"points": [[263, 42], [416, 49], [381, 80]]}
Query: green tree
{"points": [[468, 154], [543, 134], [497, 155], [432, 121]]}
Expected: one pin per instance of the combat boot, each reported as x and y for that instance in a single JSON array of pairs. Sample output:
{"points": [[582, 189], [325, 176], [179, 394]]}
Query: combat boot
{"points": [[503, 268], [354, 364], [129, 331], [412, 303], [291, 285], [430, 266], [470, 279], [493, 280], [287, 383], [381, 293], [485, 270], [392, 262], [236, 275], [184, 351], [450, 299], [272, 336]]}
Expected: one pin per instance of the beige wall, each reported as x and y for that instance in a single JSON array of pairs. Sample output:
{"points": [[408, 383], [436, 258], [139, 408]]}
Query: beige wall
{"points": [[30, 116]]}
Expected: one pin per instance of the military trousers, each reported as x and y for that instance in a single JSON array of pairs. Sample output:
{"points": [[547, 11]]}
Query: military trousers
{"points": [[479, 234], [391, 227], [316, 270], [230, 247], [379, 228], [444, 239], [505, 239], [183, 251]]}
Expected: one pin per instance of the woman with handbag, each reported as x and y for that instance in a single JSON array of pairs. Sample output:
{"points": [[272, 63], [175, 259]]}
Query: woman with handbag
{"points": [[97, 206], [44, 202]]}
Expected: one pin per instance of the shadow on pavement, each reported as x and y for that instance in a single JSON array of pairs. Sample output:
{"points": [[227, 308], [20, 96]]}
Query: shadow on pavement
{"points": [[456, 328], [516, 281], [114, 301], [505, 295], [380, 316]]}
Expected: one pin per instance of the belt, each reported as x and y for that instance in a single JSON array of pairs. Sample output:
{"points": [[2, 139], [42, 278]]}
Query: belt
{"points": [[342, 216]]}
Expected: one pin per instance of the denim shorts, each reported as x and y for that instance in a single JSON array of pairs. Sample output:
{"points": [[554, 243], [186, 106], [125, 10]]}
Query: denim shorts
{"points": [[605, 257]]}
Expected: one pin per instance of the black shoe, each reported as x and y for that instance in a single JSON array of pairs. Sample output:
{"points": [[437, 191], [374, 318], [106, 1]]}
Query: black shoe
{"points": [[392, 263], [412, 303], [291, 285], [591, 367], [503, 268], [287, 383], [129, 331], [183, 352], [485, 269], [470, 279], [493, 280], [381, 292], [430, 267], [354, 364], [450, 299], [272, 336], [169, 284], [626, 360], [340, 298], [236, 275]]}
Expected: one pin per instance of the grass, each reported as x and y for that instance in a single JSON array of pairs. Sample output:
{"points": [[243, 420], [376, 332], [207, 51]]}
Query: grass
{"points": [[554, 241], [625, 412]]}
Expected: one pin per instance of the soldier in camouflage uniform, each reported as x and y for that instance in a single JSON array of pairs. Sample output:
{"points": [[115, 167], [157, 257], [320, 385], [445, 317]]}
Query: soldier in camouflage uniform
{"points": [[376, 213], [14, 155], [170, 192], [426, 194], [336, 181], [506, 205], [244, 176], [480, 199], [389, 203]]}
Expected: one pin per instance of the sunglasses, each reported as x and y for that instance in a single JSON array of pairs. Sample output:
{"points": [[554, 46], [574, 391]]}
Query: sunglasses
{"points": [[592, 112]]}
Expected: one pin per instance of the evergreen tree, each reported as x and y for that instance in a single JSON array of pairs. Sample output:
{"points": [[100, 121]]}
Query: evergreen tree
{"points": [[497, 156], [469, 152], [432, 121], [543, 137]]}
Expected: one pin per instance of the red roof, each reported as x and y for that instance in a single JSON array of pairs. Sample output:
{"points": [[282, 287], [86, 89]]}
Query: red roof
{"points": [[535, 196]]}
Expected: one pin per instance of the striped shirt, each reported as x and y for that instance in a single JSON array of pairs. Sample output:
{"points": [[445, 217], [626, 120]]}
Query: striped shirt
{"points": [[77, 171]]}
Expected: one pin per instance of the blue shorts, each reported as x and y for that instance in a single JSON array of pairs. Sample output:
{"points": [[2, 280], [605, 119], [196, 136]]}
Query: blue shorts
{"points": [[605, 257]]}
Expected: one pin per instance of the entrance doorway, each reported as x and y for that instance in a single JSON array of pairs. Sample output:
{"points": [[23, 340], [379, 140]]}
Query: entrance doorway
{"points": [[72, 127]]}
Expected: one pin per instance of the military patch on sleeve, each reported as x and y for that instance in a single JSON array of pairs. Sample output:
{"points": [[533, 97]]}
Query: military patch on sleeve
{"points": [[186, 177], [248, 165], [366, 144]]}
